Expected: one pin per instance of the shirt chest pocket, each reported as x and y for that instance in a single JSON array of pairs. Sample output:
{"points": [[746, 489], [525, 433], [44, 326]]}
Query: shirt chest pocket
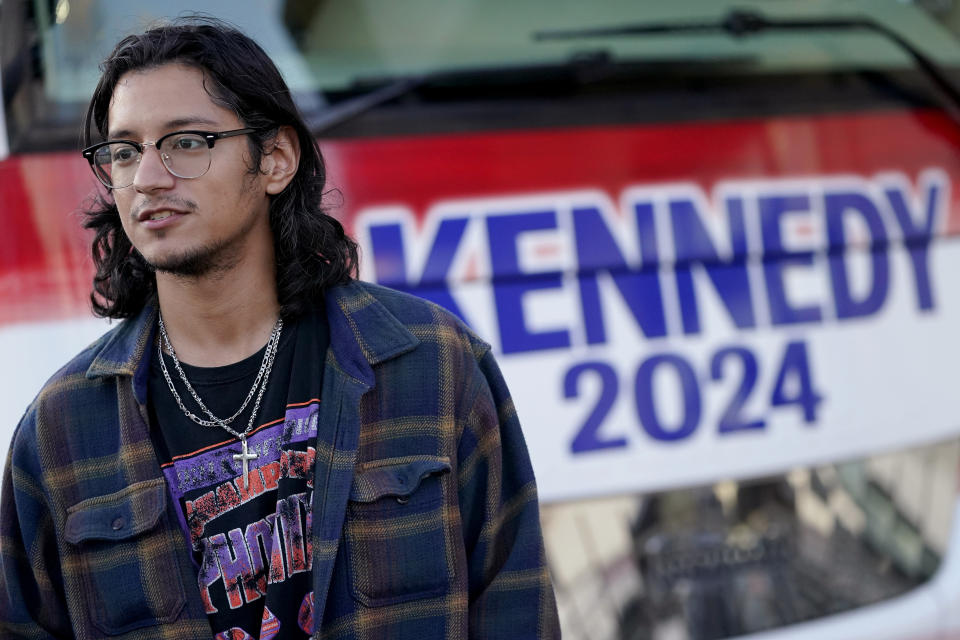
{"points": [[396, 531], [125, 556]]}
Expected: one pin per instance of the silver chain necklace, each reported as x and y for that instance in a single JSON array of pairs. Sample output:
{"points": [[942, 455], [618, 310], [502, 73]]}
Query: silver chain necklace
{"points": [[214, 420], [260, 382]]}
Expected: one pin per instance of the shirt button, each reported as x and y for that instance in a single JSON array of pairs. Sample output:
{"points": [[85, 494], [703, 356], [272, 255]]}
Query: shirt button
{"points": [[118, 523]]}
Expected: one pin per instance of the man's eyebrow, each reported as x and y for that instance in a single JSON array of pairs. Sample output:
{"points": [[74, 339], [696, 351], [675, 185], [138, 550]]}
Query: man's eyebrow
{"points": [[170, 125]]}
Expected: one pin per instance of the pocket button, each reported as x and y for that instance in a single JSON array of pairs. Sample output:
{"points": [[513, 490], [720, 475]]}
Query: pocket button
{"points": [[118, 523]]}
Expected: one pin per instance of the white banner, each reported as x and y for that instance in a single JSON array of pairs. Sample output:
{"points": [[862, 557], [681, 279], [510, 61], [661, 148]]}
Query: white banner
{"points": [[674, 338]]}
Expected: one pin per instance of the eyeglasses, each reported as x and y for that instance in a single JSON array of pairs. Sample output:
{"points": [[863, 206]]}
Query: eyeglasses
{"points": [[185, 154]]}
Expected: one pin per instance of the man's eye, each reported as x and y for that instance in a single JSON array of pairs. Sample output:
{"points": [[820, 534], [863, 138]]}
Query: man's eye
{"points": [[188, 143], [124, 154]]}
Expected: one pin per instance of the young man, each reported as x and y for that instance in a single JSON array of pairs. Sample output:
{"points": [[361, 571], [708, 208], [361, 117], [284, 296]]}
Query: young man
{"points": [[265, 447]]}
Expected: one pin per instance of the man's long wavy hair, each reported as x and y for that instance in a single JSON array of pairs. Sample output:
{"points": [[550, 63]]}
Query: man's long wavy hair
{"points": [[312, 250]]}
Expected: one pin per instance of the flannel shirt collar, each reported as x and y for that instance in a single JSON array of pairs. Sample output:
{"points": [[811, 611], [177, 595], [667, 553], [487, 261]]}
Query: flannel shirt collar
{"points": [[125, 352], [362, 333]]}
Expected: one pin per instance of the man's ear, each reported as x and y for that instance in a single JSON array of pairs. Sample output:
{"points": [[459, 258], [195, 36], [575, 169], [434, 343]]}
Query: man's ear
{"points": [[280, 160]]}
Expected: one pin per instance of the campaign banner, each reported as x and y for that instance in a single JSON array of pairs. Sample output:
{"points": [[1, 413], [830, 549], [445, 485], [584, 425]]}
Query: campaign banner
{"points": [[682, 304], [675, 337]]}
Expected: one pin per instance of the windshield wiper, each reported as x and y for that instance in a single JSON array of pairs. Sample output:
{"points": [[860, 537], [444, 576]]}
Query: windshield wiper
{"points": [[581, 68], [737, 23], [341, 112], [742, 23]]}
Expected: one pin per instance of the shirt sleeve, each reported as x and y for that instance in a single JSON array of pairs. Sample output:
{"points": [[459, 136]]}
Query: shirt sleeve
{"points": [[32, 604], [511, 593]]}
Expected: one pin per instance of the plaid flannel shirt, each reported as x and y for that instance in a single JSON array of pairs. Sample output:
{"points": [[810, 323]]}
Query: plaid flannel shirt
{"points": [[424, 522]]}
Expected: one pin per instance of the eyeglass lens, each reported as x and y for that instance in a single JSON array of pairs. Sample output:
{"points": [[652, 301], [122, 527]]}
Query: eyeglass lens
{"points": [[185, 156]]}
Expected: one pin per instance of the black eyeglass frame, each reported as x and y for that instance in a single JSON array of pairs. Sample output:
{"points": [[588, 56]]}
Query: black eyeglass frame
{"points": [[210, 136]]}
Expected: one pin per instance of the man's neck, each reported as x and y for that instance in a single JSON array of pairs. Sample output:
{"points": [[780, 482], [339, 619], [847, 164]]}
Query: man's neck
{"points": [[221, 318]]}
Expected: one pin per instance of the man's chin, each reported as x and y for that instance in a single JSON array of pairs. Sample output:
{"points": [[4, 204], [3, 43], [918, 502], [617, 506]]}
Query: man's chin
{"points": [[193, 264]]}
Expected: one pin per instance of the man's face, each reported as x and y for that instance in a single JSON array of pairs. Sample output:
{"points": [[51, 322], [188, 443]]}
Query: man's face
{"points": [[185, 226]]}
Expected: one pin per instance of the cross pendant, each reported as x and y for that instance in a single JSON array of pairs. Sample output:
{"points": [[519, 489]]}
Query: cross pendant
{"points": [[244, 458]]}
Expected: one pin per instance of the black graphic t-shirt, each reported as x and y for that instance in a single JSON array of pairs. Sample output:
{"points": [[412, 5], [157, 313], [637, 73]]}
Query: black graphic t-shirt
{"points": [[250, 535]]}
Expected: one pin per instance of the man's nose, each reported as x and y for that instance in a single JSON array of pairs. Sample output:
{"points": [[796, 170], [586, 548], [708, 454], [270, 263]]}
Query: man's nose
{"points": [[151, 173]]}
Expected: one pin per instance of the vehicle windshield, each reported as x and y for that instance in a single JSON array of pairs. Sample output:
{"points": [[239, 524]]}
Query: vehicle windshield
{"points": [[325, 48], [328, 45]]}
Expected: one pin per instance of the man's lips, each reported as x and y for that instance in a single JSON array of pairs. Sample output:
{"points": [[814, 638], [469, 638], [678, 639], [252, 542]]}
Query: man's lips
{"points": [[157, 214], [160, 217]]}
